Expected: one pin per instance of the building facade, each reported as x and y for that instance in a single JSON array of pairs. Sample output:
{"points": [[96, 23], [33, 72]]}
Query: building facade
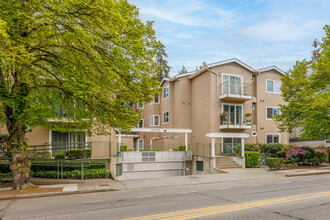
{"points": [[223, 97]]}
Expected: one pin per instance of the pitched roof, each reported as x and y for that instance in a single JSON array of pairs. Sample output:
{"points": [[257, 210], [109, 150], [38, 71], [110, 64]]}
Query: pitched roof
{"points": [[271, 68]]}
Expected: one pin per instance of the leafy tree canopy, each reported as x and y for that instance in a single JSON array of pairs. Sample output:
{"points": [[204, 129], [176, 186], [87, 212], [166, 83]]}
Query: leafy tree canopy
{"points": [[307, 95], [72, 61]]}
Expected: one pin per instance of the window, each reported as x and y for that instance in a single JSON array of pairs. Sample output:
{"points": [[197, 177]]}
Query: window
{"points": [[154, 120], [140, 144], [231, 145], [253, 79], [273, 86], [232, 114], [141, 124], [65, 140], [253, 106], [140, 106], [254, 133], [232, 84], [272, 138], [272, 111], [199, 166], [155, 100], [166, 117], [166, 92]]}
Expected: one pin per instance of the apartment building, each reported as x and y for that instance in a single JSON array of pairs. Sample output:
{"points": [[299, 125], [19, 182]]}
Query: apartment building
{"points": [[224, 97]]}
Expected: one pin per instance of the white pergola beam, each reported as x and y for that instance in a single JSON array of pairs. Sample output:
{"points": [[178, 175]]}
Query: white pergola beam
{"points": [[160, 130]]}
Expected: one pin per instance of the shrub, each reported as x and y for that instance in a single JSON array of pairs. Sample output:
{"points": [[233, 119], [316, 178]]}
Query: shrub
{"points": [[129, 150], [301, 156], [321, 156], [274, 163], [182, 148], [251, 147], [67, 165], [141, 150], [60, 156], [271, 148], [314, 161], [44, 155], [252, 158], [73, 174], [155, 149], [175, 149], [4, 168], [123, 148], [78, 154]]}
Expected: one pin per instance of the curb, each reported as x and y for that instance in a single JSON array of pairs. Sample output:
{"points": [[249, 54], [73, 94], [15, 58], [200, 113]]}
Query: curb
{"points": [[308, 174], [54, 194]]}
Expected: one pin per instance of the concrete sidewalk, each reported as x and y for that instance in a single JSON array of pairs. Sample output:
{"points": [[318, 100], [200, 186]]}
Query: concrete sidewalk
{"points": [[232, 175]]}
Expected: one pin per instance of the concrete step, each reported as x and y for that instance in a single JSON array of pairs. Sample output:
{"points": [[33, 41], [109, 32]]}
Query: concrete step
{"points": [[225, 164], [228, 166]]}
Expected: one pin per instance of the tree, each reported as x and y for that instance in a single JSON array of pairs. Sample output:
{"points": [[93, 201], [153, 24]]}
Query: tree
{"points": [[204, 64], [183, 70], [161, 60], [85, 57], [307, 95]]}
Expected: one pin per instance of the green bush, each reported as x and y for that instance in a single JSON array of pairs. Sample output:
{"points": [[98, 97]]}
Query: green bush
{"points": [[155, 149], [274, 163], [141, 150], [251, 147], [60, 156], [123, 148], [252, 158], [176, 149], [321, 156], [73, 174], [271, 148], [5, 168], [314, 161], [182, 148], [67, 165], [129, 150], [78, 154]]}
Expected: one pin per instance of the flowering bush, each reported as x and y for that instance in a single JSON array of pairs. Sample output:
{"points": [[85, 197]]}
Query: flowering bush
{"points": [[296, 155]]}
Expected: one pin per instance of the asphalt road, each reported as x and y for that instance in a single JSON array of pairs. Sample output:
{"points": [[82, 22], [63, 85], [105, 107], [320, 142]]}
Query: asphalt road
{"points": [[305, 197]]}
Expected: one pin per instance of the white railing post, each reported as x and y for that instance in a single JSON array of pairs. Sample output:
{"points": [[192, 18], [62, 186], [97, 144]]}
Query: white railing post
{"points": [[186, 140], [242, 148], [213, 151]]}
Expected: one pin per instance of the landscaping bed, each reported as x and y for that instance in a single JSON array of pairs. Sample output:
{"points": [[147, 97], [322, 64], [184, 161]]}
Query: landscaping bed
{"points": [[32, 190]]}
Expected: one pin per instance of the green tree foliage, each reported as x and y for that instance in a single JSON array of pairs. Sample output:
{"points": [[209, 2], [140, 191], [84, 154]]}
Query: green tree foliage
{"points": [[161, 60], [204, 64], [183, 70], [307, 95], [80, 58]]}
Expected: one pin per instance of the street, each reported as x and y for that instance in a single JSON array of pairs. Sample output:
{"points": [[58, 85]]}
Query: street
{"points": [[306, 197]]}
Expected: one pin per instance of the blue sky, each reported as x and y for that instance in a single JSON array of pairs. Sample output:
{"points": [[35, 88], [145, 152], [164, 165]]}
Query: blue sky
{"points": [[259, 33]]}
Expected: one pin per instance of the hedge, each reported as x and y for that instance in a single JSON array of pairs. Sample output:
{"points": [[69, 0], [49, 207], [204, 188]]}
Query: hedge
{"points": [[123, 148], [73, 174], [182, 148], [274, 163], [60, 156], [252, 158], [78, 154]]}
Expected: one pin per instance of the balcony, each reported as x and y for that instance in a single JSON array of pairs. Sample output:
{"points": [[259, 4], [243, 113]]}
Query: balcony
{"points": [[233, 120], [235, 91]]}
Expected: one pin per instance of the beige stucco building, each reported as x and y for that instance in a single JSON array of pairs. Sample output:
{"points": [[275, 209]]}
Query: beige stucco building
{"points": [[223, 97]]}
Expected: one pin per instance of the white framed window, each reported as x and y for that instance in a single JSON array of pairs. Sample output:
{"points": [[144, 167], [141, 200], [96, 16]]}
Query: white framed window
{"points": [[154, 120], [140, 106], [141, 124], [273, 138], [254, 133], [166, 117], [270, 111], [233, 114], [232, 84], [273, 86], [140, 144], [155, 100], [166, 92]]}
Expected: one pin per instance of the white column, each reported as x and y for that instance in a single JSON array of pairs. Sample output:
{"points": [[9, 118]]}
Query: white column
{"points": [[213, 151], [186, 140], [150, 143], [242, 148], [119, 138]]}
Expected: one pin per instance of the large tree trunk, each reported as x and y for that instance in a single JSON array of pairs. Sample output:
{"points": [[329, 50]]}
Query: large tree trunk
{"points": [[20, 166]]}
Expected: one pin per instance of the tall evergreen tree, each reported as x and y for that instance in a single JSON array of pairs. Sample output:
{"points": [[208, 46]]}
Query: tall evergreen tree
{"points": [[164, 69], [183, 70]]}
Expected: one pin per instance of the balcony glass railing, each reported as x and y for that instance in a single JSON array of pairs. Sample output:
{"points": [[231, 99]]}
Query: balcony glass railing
{"points": [[237, 89], [236, 119]]}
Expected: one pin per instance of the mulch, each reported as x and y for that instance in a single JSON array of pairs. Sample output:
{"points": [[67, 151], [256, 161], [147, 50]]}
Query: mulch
{"points": [[38, 191]]}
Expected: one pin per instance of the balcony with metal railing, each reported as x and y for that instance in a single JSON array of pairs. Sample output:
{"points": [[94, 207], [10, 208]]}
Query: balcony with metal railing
{"points": [[236, 91]]}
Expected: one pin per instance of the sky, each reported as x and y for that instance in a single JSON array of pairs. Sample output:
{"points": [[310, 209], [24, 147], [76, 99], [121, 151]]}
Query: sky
{"points": [[259, 33]]}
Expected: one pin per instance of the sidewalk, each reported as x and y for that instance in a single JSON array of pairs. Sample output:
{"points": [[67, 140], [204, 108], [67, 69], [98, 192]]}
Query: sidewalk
{"points": [[104, 185]]}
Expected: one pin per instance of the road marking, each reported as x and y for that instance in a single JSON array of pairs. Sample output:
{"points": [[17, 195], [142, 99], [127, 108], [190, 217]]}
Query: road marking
{"points": [[200, 212], [145, 196]]}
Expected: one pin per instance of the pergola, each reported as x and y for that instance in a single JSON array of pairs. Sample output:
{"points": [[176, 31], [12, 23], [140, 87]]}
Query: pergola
{"points": [[163, 130], [227, 135]]}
